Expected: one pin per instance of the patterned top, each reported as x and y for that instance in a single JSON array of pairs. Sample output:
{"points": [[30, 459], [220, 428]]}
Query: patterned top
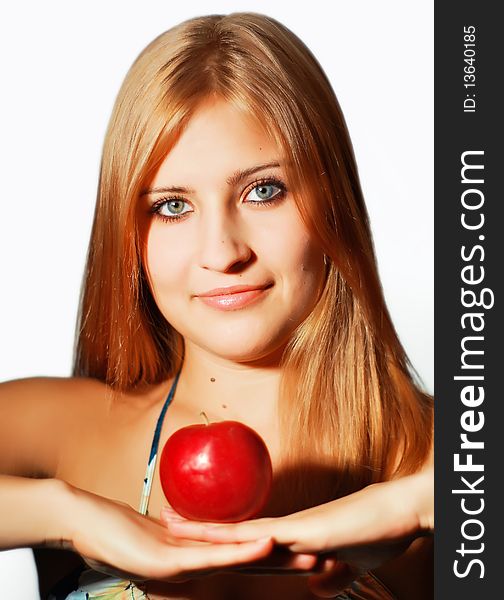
{"points": [[367, 587]]}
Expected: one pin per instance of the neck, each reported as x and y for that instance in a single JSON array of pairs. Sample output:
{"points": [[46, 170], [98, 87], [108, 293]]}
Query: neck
{"points": [[226, 389]]}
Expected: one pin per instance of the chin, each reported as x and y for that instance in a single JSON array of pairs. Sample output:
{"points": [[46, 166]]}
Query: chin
{"points": [[242, 349]]}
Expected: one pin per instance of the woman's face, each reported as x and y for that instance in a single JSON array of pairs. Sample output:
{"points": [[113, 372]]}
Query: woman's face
{"points": [[223, 219]]}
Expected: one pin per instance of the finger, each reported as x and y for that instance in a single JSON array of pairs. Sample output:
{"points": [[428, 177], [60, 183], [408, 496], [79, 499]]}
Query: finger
{"points": [[302, 562], [169, 514], [280, 560], [220, 555], [335, 577], [235, 532]]}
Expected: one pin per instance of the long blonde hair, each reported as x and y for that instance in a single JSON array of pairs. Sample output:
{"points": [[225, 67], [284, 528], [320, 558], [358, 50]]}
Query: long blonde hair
{"points": [[348, 401]]}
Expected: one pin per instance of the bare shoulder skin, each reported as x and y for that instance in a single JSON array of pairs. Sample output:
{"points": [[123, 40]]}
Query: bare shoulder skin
{"points": [[38, 416], [37, 413]]}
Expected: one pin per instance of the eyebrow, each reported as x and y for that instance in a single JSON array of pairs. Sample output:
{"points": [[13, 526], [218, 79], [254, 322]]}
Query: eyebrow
{"points": [[233, 180]]}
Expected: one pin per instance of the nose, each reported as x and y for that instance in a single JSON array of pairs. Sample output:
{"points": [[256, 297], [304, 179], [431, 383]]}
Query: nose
{"points": [[222, 243]]}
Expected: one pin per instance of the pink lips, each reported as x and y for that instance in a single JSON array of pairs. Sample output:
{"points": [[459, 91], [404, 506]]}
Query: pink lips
{"points": [[233, 297]]}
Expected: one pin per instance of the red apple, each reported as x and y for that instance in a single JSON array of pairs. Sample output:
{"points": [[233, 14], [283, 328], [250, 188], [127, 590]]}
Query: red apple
{"points": [[216, 472]]}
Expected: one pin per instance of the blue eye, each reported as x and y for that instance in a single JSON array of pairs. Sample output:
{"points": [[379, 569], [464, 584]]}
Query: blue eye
{"points": [[171, 209], [264, 192]]}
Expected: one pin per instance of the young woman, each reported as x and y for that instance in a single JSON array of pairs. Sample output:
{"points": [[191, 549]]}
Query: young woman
{"points": [[230, 271]]}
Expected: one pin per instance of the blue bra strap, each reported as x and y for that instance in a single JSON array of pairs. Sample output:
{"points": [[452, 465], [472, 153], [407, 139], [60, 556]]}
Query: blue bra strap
{"points": [[151, 466]]}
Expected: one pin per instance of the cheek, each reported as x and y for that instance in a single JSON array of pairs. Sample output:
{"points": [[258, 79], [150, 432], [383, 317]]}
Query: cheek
{"points": [[306, 270], [167, 263], [297, 263], [296, 256]]}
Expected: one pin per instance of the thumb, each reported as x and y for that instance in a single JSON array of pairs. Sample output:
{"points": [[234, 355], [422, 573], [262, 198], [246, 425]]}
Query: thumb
{"points": [[334, 578]]}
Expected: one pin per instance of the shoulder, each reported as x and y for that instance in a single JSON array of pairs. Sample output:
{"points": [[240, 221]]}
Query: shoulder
{"points": [[47, 387], [37, 415], [40, 397]]}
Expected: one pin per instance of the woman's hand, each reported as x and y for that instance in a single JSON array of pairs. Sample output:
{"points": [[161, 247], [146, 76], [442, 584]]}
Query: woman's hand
{"points": [[113, 538], [362, 530]]}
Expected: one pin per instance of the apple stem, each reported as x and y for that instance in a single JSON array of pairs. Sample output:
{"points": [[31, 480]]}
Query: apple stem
{"points": [[203, 414]]}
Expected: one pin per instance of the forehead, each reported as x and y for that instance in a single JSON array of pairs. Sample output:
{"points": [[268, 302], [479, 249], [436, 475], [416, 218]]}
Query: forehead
{"points": [[218, 139]]}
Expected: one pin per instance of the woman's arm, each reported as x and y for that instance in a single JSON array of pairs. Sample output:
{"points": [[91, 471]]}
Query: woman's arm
{"points": [[111, 536], [381, 512], [355, 533], [32, 512], [40, 510]]}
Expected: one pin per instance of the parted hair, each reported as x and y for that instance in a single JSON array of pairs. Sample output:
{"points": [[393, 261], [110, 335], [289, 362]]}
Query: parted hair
{"points": [[349, 398]]}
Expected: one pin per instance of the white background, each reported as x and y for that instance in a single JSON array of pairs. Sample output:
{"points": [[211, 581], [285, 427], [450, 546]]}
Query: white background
{"points": [[62, 65]]}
